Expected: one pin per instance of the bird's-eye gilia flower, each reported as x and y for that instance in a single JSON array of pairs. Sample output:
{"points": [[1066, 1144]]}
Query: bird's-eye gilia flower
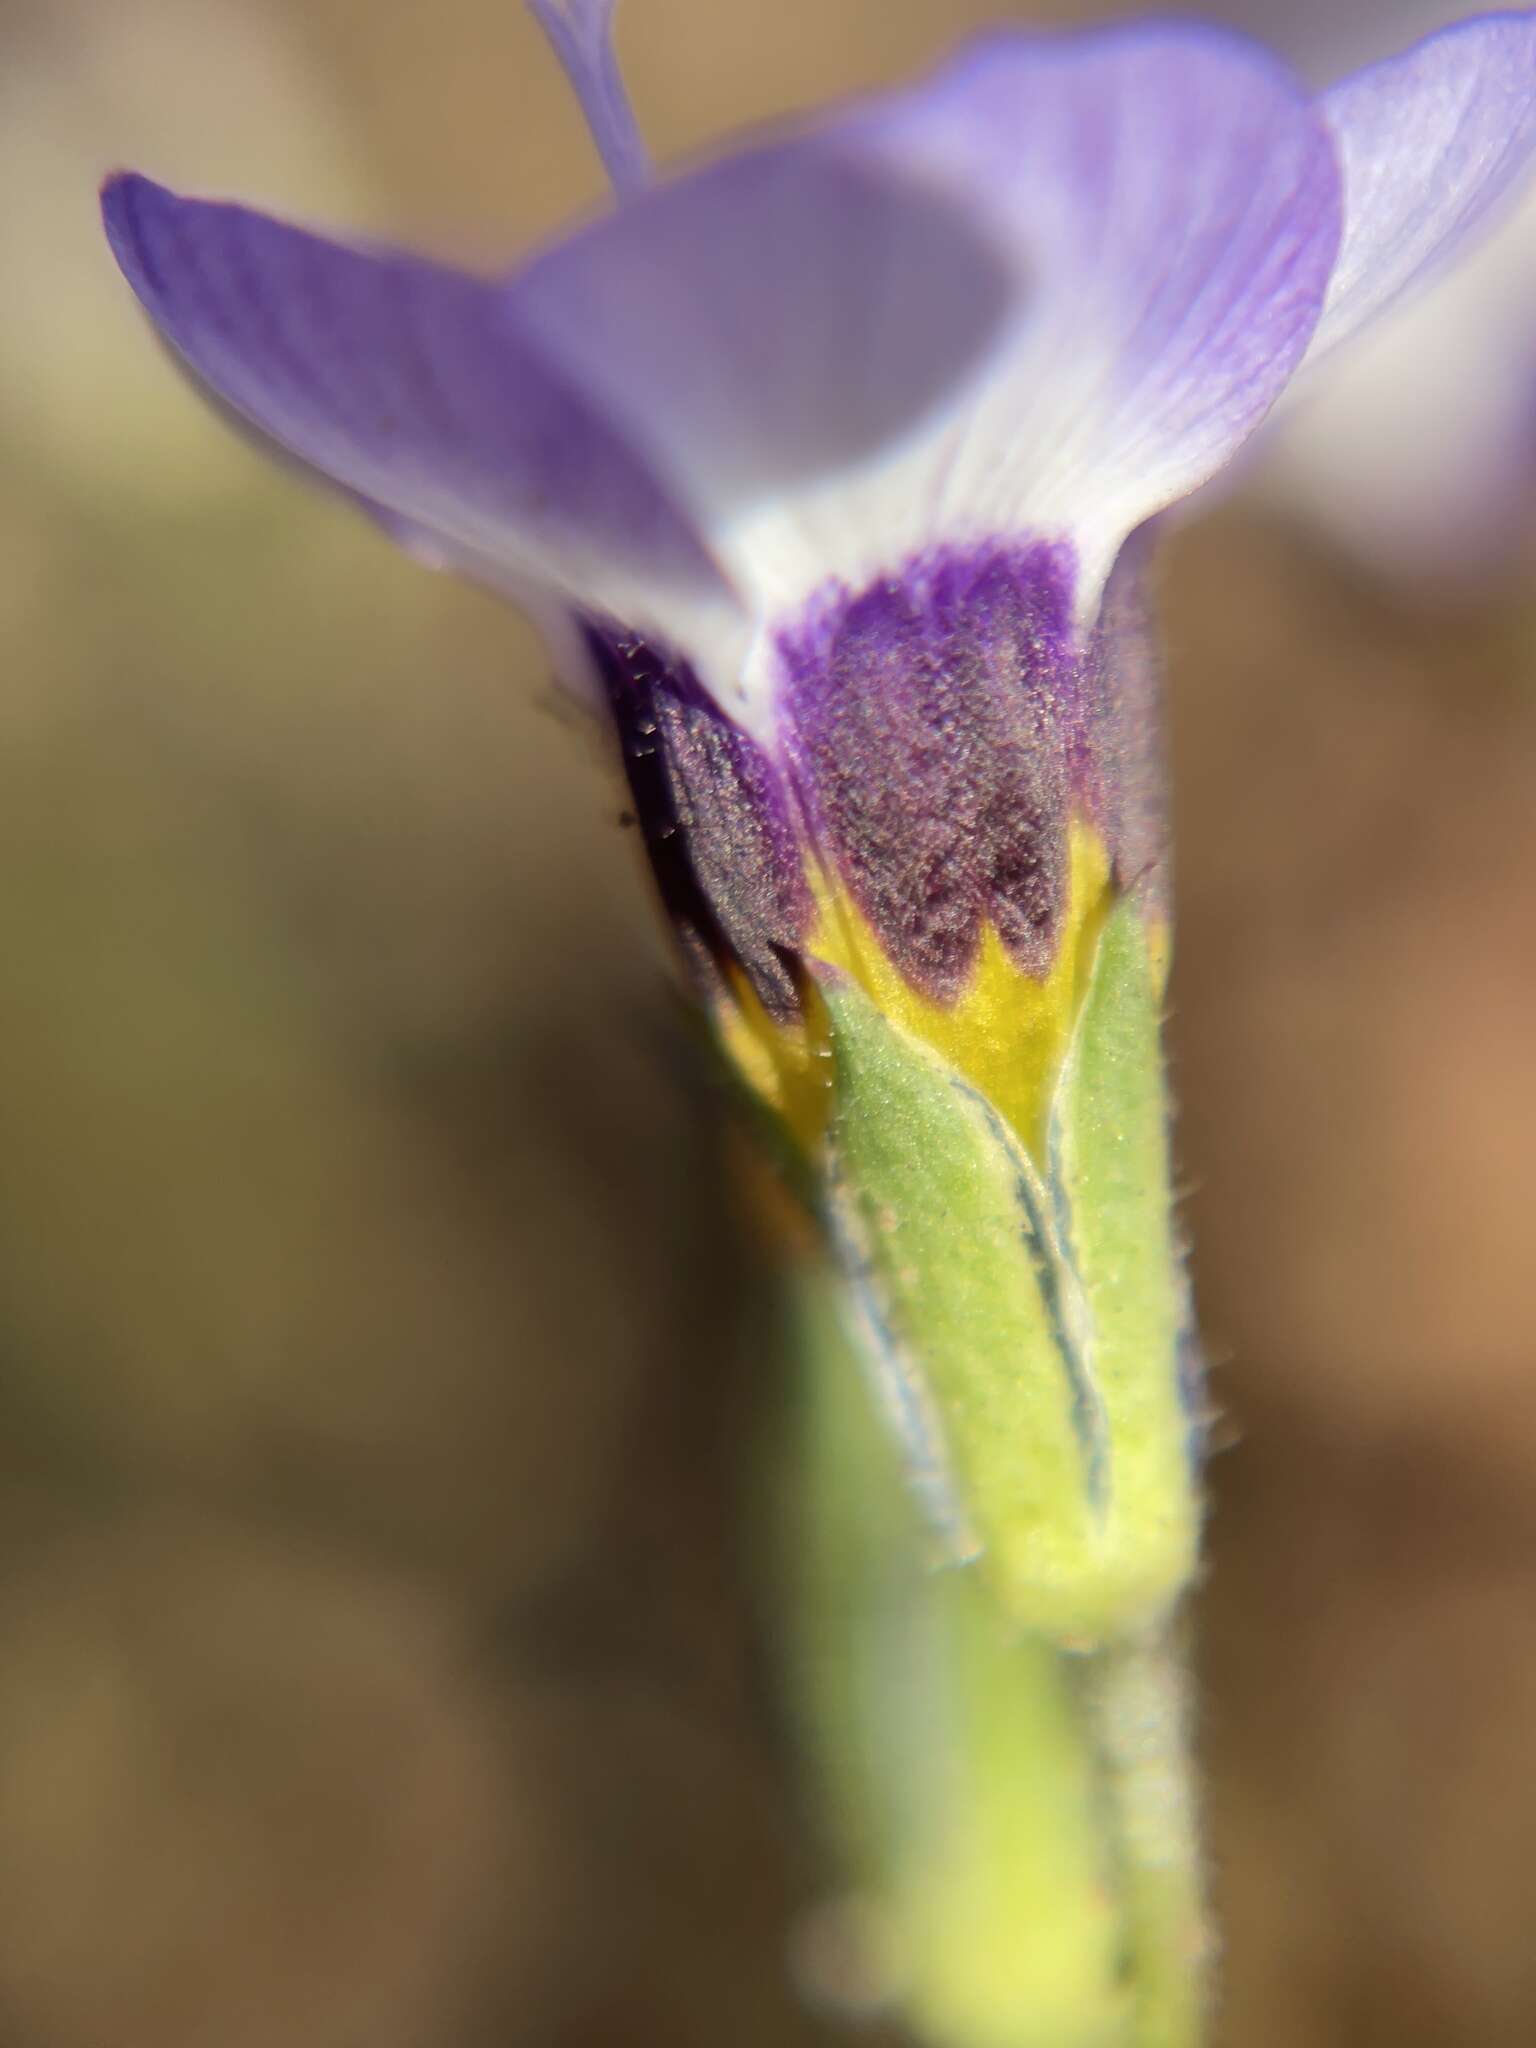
{"points": [[825, 463]]}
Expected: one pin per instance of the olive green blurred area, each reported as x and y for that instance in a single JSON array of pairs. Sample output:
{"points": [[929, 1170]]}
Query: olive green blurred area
{"points": [[383, 1657]]}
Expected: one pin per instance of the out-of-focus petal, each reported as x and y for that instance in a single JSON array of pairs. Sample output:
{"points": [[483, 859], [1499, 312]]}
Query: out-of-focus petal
{"points": [[1429, 141], [1415, 448], [581, 35], [770, 330], [409, 385], [1047, 292]]}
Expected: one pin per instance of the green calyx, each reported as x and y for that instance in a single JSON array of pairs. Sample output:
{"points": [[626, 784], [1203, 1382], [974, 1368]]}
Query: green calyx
{"points": [[1025, 1314]]}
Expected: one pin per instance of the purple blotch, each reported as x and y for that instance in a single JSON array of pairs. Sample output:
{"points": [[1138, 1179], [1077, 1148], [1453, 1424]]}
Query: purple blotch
{"points": [[941, 727], [714, 812]]}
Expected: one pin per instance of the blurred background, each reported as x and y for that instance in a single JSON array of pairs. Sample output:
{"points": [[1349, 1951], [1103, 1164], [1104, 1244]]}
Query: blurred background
{"points": [[383, 1657]]}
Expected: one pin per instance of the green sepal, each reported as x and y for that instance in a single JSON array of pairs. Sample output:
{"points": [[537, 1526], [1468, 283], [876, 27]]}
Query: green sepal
{"points": [[1110, 1171], [1025, 1326]]}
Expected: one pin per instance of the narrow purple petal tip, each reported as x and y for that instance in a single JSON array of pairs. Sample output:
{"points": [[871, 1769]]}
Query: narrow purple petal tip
{"points": [[120, 194], [581, 34]]}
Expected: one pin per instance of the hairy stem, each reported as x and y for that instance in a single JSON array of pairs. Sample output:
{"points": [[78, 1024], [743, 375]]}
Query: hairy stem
{"points": [[1018, 1818], [1135, 1699]]}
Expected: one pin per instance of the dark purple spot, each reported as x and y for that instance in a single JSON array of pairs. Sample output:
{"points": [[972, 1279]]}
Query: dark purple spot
{"points": [[942, 726], [715, 815]]}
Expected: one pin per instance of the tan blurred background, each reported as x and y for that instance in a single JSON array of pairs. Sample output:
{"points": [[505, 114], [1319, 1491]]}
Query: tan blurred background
{"points": [[380, 1660]]}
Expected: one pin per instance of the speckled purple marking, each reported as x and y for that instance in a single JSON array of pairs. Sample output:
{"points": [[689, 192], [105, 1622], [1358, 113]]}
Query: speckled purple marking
{"points": [[942, 727], [714, 811], [940, 730]]}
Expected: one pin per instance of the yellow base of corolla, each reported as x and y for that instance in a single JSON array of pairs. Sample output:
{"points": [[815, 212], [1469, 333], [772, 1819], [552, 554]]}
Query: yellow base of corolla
{"points": [[1007, 1033]]}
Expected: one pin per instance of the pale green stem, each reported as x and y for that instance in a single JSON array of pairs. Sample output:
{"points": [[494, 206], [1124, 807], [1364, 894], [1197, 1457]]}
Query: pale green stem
{"points": [[1135, 1698], [1020, 1819]]}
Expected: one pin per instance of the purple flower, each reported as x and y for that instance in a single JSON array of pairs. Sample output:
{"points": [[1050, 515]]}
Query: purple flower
{"points": [[820, 461]]}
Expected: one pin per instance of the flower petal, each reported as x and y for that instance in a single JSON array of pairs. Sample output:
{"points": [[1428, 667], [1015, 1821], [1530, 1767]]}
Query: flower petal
{"points": [[409, 385], [1429, 142], [767, 327], [1174, 204], [1416, 447], [1046, 293], [1040, 297]]}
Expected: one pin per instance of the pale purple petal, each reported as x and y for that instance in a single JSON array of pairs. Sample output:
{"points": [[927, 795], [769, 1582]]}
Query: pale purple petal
{"points": [[581, 35], [1416, 447], [1429, 142], [1046, 293], [408, 385], [1174, 203], [771, 325]]}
